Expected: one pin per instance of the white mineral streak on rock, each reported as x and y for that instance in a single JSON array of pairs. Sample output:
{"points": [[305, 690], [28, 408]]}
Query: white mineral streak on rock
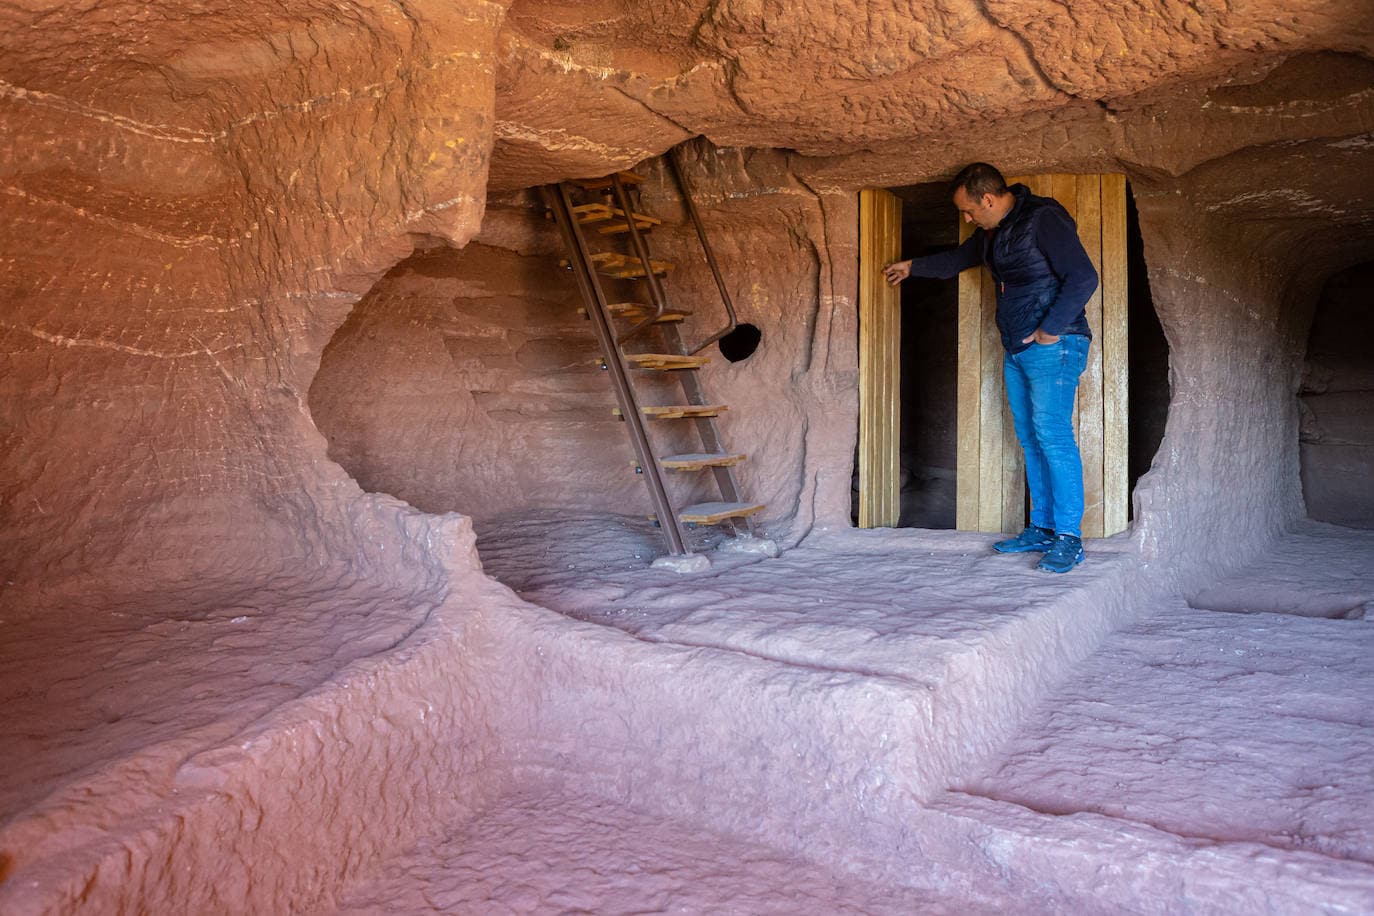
{"points": [[750, 544], [683, 564]]}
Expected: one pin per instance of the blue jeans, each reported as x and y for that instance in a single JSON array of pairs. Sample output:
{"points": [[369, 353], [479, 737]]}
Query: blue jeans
{"points": [[1041, 383]]}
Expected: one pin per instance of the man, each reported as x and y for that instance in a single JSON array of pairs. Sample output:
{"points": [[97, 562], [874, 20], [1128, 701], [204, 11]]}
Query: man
{"points": [[1044, 278]]}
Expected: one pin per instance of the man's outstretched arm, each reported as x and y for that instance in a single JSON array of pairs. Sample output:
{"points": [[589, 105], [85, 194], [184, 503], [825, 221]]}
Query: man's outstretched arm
{"points": [[942, 266]]}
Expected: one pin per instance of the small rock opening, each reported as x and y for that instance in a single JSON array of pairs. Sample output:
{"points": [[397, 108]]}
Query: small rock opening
{"points": [[1336, 402], [740, 343]]}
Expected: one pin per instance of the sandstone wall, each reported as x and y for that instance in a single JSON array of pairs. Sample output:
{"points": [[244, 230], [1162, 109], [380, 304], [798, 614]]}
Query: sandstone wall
{"points": [[194, 203], [191, 209]]}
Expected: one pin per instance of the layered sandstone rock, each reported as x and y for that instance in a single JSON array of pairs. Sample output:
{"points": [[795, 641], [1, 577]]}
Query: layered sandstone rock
{"points": [[197, 206], [203, 202]]}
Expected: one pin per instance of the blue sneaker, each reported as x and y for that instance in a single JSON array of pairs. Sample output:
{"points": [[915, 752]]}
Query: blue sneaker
{"points": [[1033, 538], [1064, 554]]}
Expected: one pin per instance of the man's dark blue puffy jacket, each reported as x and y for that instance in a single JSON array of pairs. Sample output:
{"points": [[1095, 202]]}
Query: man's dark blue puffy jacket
{"points": [[1044, 277]]}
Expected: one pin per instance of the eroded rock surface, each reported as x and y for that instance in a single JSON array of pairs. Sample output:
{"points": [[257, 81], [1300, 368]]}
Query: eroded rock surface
{"points": [[196, 199]]}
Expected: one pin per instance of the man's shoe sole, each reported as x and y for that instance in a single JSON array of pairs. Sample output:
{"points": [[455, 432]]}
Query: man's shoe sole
{"points": [[1043, 568]]}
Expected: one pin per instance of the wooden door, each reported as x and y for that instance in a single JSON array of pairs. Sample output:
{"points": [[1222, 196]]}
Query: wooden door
{"points": [[991, 491], [880, 348]]}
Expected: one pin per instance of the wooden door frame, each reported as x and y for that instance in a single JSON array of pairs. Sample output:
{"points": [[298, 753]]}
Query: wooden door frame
{"points": [[991, 465], [880, 359]]}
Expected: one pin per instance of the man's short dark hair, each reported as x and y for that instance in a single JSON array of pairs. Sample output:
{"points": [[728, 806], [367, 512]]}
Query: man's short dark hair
{"points": [[979, 179]]}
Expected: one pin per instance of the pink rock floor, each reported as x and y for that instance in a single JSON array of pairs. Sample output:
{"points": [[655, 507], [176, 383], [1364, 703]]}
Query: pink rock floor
{"points": [[1253, 725], [884, 602], [104, 698], [990, 735], [1194, 747], [545, 850]]}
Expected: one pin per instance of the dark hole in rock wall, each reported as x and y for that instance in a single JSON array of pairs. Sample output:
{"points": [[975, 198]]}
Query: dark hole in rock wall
{"points": [[740, 343], [468, 381], [1337, 403], [929, 357]]}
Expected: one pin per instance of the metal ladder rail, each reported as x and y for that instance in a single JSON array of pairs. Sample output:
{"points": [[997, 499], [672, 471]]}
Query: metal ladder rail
{"points": [[691, 382], [680, 175], [556, 199]]}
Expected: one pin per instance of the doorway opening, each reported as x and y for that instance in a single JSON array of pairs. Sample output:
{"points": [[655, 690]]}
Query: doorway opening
{"points": [[1337, 403], [929, 353]]}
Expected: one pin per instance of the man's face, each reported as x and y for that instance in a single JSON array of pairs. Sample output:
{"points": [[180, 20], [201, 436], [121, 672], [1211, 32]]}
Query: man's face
{"points": [[980, 212]]}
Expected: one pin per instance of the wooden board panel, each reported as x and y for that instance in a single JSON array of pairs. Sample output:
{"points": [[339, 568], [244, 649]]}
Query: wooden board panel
{"points": [[596, 184], [867, 335], [679, 411], [1115, 483], [892, 378], [969, 387], [1063, 187], [699, 461], [1088, 215], [666, 361], [640, 310], [991, 396], [717, 512], [880, 240]]}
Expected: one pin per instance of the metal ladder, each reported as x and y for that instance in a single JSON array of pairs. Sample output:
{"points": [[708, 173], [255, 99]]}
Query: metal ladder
{"points": [[617, 215]]}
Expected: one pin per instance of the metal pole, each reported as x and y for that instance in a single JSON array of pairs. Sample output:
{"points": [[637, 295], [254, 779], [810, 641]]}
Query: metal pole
{"points": [[656, 294], [680, 174]]}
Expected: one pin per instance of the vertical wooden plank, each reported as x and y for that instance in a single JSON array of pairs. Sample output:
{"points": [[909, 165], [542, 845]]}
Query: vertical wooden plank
{"points": [[1088, 215], [1113, 334], [895, 417], [879, 366], [892, 402], [866, 393], [968, 413], [990, 400], [1038, 184], [1063, 187]]}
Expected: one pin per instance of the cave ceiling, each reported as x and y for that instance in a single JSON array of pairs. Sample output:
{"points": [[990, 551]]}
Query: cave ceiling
{"points": [[894, 89]]}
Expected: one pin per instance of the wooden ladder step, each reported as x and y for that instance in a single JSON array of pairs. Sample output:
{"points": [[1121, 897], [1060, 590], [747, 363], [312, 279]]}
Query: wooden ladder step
{"points": [[640, 310], [643, 312], [601, 213], [622, 266], [666, 361], [597, 184], [626, 267], [698, 462], [715, 513], [679, 411]]}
